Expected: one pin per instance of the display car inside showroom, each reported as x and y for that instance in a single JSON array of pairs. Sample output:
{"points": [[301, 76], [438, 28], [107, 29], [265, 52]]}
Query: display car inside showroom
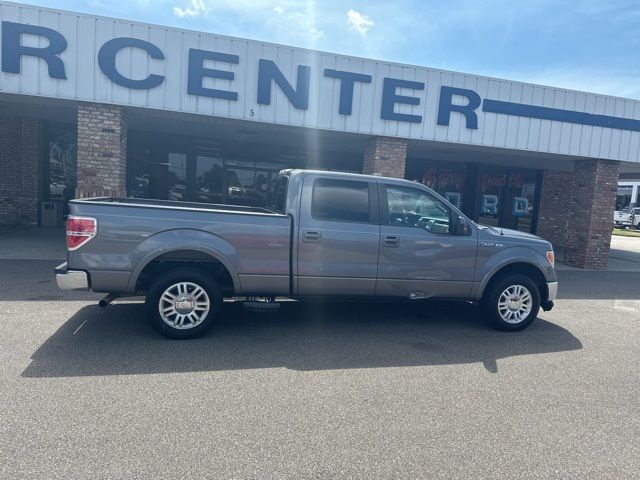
{"points": [[93, 106]]}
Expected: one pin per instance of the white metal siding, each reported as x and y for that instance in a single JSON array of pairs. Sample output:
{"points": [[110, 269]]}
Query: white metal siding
{"points": [[86, 34]]}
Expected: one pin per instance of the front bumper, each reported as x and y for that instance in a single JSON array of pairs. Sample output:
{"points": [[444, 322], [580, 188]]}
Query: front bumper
{"points": [[71, 279], [552, 290]]}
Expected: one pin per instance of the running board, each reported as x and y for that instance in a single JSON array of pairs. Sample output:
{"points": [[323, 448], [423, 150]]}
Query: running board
{"points": [[266, 305]]}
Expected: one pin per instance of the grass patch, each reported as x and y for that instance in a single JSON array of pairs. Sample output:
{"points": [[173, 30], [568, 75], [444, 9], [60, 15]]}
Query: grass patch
{"points": [[625, 232]]}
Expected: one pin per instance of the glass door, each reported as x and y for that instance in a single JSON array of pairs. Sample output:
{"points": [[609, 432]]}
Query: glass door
{"points": [[492, 195]]}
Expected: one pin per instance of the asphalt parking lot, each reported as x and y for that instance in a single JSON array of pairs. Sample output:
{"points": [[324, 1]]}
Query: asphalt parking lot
{"points": [[319, 391]]}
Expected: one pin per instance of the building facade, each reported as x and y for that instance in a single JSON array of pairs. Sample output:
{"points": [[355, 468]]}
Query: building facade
{"points": [[93, 106]]}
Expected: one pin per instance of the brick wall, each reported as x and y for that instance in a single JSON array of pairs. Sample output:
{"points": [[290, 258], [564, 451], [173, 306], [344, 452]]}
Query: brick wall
{"points": [[385, 156], [553, 216], [21, 144], [102, 150], [591, 207]]}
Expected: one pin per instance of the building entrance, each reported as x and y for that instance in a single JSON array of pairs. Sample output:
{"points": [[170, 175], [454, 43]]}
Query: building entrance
{"points": [[490, 195]]}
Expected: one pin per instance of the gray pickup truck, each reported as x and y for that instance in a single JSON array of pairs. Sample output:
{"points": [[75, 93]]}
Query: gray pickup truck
{"points": [[323, 234]]}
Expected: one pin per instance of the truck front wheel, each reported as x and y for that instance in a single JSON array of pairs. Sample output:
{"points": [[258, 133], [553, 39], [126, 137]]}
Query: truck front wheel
{"points": [[183, 303], [511, 303]]}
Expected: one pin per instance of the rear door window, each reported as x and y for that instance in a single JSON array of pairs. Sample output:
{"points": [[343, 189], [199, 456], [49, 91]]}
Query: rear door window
{"points": [[341, 201]]}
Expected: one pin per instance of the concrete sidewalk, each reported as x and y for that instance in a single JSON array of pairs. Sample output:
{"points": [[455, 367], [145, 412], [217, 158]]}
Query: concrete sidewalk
{"points": [[624, 256], [33, 243]]}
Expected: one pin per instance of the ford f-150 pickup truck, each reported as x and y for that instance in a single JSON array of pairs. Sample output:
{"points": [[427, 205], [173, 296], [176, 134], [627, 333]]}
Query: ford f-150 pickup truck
{"points": [[322, 234]]}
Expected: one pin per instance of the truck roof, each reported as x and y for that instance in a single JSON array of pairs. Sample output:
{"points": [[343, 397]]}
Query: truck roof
{"points": [[355, 176]]}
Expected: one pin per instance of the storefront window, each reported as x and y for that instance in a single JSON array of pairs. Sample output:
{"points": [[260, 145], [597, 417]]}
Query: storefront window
{"points": [[491, 195], [62, 166], [449, 181], [210, 180], [520, 198], [180, 172], [177, 176], [451, 184]]}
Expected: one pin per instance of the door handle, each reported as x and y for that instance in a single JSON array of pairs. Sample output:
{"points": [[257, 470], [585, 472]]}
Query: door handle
{"points": [[390, 241], [311, 237]]}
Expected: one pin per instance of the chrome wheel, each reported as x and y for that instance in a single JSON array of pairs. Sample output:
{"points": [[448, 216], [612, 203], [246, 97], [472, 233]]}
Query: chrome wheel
{"points": [[184, 305], [514, 304]]}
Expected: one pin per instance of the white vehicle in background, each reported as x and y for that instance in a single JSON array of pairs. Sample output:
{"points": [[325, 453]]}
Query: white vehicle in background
{"points": [[627, 217]]}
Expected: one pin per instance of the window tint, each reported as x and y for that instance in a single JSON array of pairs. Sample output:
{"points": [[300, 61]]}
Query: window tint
{"points": [[413, 208], [340, 200]]}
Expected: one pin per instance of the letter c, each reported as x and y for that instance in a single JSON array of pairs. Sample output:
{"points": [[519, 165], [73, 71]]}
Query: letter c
{"points": [[107, 62]]}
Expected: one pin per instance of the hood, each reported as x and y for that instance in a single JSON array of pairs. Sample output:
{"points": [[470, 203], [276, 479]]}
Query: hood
{"points": [[515, 235]]}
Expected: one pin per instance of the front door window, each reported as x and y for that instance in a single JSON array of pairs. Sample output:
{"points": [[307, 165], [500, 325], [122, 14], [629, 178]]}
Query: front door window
{"points": [[412, 208]]}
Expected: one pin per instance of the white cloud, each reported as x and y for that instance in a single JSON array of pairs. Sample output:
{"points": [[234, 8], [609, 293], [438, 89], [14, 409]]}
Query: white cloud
{"points": [[288, 20], [359, 22], [194, 9], [304, 23]]}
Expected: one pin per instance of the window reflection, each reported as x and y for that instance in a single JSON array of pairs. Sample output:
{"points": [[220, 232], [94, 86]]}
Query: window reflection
{"points": [[413, 208], [491, 198], [177, 176], [520, 197], [206, 178], [210, 180], [62, 167], [492, 195]]}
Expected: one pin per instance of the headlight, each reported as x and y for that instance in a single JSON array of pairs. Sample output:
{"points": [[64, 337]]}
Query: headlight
{"points": [[551, 257]]}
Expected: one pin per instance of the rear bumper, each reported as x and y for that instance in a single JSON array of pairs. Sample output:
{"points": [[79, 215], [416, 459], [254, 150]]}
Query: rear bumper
{"points": [[71, 279]]}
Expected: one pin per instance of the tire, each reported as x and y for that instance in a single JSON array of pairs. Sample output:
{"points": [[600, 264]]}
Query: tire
{"points": [[191, 317], [497, 309]]}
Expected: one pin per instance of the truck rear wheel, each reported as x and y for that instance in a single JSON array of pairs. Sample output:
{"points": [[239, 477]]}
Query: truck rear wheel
{"points": [[183, 303], [511, 303]]}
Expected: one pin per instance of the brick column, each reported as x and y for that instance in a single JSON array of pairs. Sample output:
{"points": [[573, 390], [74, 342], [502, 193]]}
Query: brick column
{"points": [[553, 213], [590, 213], [385, 156], [102, 151], [21, 143]]}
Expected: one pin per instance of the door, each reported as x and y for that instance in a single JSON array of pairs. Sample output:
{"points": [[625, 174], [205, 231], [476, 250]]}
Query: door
{"points": [[421, 254], [338, 237]]}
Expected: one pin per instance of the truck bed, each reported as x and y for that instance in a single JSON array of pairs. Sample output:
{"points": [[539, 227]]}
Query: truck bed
{"points": [[254, 243], [173, 204]]}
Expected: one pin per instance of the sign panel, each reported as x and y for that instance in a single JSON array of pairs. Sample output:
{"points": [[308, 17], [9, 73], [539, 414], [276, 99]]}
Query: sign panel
{"points": [[73, 56]]}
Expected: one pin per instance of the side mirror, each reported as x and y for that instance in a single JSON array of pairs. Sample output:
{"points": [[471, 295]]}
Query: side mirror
{"points": [[462, 228]]}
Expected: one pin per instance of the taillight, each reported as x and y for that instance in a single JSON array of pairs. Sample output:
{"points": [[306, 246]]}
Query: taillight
{"points": [[80, 230], [551, 257]]}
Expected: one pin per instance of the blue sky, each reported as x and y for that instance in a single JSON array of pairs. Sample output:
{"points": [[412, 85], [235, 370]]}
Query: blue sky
{"points": [[590, 45]]}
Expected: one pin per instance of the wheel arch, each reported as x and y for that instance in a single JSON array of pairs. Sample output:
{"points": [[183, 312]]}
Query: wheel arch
{"points": [[521, 267], [185, 254]]}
